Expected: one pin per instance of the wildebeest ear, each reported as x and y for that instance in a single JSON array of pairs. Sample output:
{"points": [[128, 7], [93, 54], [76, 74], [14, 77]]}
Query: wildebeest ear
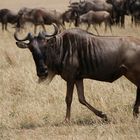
{"points": [[21, 45], [41, 35]]}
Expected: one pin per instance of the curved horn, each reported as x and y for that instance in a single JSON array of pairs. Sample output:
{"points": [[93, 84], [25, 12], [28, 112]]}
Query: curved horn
{"points": [[55, 32], [28, 37]]}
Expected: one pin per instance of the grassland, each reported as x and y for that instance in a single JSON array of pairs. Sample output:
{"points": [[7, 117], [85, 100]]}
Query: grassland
{"points": [[32, 111]]}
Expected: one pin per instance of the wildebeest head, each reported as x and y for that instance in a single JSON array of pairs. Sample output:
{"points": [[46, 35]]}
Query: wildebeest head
{"points": [[36, 46]]}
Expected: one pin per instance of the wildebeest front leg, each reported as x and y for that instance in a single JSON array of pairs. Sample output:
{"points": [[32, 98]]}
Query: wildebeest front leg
{"points": [[3, 27], [137, 103], [88, 26], [69, 95], [80, 91], [35, 28], [94, 26]]}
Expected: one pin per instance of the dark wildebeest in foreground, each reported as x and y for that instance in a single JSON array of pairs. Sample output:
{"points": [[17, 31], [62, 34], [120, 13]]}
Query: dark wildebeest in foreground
{"points": [[7, 16], [76, 54]]}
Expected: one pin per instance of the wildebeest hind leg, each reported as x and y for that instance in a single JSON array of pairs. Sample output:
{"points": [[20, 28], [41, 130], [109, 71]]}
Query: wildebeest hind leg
{"points": [[43, 26], [6, 27], [80, 91], [69, 95], [137, 103]]}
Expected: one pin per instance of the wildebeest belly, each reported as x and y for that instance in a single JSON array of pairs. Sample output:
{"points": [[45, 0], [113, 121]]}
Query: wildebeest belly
{"points": [[103, 65], [106, 74]]}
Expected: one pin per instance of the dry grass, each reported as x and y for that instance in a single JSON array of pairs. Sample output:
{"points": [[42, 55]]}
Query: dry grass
{"points": [[32, 111]]}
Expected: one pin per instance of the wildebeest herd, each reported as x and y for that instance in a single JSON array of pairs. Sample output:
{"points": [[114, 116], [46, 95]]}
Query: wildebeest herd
{"points": [[76, 54], [111, 12]]}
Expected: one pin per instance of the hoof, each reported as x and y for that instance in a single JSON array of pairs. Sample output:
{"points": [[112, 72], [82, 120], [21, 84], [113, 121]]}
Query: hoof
{"points": [[67, 122], [104, 117], [135, 115], [135, 112]]}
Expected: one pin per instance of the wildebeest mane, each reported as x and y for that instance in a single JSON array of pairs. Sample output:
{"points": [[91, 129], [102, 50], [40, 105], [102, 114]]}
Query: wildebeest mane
{"points": [[72, 48]]}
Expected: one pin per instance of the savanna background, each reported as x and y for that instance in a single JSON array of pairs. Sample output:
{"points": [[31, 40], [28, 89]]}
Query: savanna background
{"points": [[33, 111]]}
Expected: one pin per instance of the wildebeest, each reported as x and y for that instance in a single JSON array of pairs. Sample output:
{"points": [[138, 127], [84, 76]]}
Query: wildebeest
{"points": [[85, 6], [119, 11], [7, 16], [70, 16], [96, 5], [39, 16], [76, 54], [96, 17], [134, 10]]}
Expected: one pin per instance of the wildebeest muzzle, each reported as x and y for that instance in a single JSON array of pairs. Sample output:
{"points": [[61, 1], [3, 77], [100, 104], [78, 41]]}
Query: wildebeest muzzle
{"points": [[42, 73]]}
